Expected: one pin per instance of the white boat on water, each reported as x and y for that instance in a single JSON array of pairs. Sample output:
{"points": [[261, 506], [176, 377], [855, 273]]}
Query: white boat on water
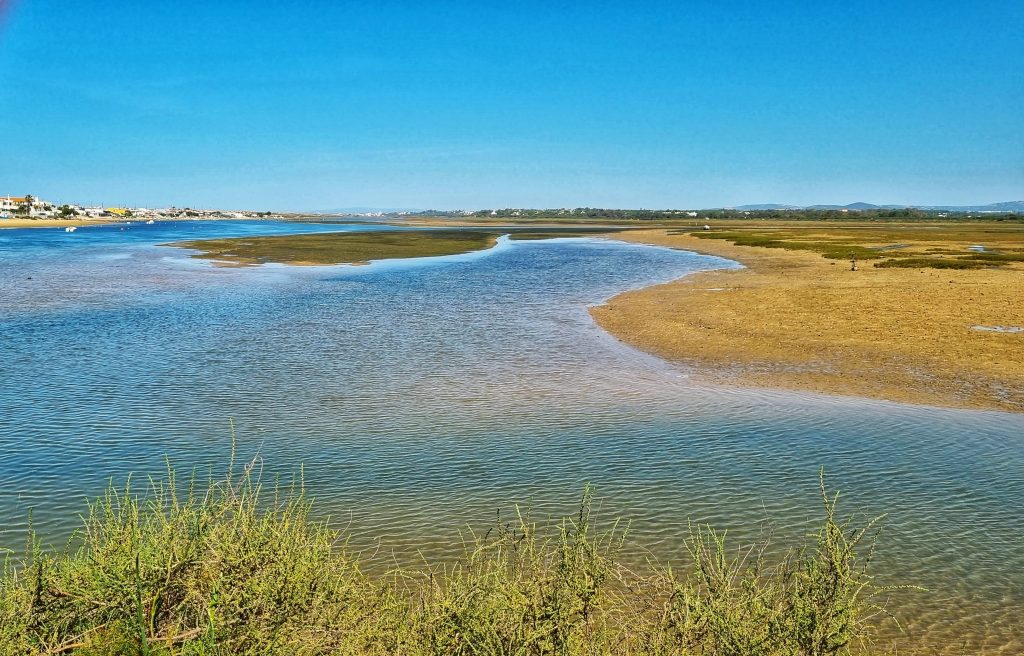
{"points": [[70, 229], [150, 222]]}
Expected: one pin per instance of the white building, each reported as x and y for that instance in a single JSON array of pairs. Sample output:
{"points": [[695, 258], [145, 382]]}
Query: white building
{"points": [[10, 205]]}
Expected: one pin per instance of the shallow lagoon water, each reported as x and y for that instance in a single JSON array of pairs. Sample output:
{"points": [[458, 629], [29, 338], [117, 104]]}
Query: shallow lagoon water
{"points": [[424, 396]]}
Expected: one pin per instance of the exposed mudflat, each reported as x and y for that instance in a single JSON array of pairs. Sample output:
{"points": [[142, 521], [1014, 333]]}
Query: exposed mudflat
{"points": [[795, 320]]}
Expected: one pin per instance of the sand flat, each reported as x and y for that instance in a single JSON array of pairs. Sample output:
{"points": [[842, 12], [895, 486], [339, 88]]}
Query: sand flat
{"points": [[796, 320]]}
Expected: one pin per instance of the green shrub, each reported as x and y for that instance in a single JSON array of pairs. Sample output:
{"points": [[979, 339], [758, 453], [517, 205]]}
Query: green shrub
{"points": [[936, 263], [996, 257]]}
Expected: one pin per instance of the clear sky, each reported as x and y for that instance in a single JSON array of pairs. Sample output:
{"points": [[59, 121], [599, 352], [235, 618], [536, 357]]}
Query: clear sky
{"points": [[327, 104]]}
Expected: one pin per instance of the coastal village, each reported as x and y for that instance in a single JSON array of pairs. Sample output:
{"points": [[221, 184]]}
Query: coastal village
{"points": [[36, 208]]}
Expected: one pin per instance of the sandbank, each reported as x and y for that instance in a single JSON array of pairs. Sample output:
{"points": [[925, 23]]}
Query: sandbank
{"points": [[795, 320]]}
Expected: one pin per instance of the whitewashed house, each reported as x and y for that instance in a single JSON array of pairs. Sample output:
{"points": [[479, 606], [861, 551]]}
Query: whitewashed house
{"points": [[11, 205]]}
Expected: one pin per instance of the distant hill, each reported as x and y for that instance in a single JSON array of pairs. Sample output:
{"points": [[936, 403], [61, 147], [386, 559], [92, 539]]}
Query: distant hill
{"points": [[1010, 206], [856, 206], [767, 206]]}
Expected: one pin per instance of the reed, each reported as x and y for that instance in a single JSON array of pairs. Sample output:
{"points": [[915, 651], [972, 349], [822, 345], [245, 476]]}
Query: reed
{"points": [[228, 566]]}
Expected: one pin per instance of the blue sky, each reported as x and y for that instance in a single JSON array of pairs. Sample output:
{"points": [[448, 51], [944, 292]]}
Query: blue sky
{"points": [[318, 104]]}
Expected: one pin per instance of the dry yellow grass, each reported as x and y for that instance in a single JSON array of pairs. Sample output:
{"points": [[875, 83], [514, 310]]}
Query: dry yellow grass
{"points": [[796, 320]]}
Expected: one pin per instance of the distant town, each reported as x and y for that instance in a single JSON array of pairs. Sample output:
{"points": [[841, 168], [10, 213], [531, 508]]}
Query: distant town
{"points": [[34, 207]]}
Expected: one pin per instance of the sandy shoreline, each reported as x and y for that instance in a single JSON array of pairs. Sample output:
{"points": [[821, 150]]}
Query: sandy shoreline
{"points": [[795, 320], [63, 223], [53, 223]]}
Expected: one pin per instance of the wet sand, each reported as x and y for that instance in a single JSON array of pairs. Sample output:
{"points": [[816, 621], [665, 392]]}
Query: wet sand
{"points": [[795, 320]]}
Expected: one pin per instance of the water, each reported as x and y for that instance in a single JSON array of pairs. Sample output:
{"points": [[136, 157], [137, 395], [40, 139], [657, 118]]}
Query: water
{"points": [[422, 396]]}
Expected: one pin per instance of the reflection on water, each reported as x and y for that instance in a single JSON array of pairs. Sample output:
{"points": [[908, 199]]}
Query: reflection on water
{"points": [[424, 396]]}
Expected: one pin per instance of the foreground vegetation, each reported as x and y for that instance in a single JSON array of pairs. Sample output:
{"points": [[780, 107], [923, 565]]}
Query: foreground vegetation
{"points": [[226, 567]]}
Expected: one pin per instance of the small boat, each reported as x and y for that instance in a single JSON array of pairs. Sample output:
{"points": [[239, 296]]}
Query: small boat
{"points": [[150, 222], [70, 229]]}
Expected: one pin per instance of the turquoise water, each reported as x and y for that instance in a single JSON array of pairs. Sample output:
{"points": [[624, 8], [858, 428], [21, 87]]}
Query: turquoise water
{"points": [[422, 396]]}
